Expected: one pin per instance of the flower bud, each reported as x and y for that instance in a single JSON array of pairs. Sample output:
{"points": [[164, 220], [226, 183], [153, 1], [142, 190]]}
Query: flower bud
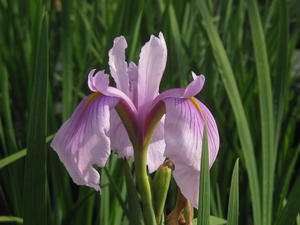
{"points": [[160, 187]]}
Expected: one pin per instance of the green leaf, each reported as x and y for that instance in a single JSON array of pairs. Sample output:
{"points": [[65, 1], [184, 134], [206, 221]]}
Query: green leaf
{"points": [[233, 207], [18, 155], [281, 69], [266, 111], [12, 219], [213, 220], [236, 104], [68, 76], [292, 208], [12, 158], [204, 185], [35, 184], [135, 211]]}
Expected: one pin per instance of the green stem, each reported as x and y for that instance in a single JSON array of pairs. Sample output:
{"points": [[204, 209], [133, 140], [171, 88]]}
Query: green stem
{"points": [[143, 184]]}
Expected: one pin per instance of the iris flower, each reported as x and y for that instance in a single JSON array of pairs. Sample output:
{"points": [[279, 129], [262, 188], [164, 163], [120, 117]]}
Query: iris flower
{"points": [[136, 121]]}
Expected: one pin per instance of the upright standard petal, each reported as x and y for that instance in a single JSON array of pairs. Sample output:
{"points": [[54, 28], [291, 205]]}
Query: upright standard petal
{"points": [[118, 65], [133, 79], [184, 124], [82, 141], [151, 66]]}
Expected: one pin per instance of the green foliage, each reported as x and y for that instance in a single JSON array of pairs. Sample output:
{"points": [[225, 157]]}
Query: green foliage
{"points": [[35, 177], [204, 185], [233, 205], [246, 51]]}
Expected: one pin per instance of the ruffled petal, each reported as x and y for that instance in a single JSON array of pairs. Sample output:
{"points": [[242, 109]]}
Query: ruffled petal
{"points": [[184, 126], [118, 65], [191, 90], [82, 140], [151, 66], [195, 86], [100, 83]]}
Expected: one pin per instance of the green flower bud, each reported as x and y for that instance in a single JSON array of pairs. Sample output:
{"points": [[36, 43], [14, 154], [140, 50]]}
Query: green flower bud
{"points": [[160, 187]]}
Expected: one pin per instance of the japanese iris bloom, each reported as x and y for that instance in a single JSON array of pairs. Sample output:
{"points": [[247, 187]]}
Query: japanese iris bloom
{"points": [[134, 114]]}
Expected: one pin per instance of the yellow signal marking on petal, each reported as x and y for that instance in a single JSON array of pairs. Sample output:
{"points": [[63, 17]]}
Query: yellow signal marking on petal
{"points": [[197, 105], [92, 98]]}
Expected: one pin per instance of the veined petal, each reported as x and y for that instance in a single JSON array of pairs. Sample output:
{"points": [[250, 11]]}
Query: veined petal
{"points": [[156, 149], [120, 141], [151, 66], [118, 65], [133, 79], [82, 140], [184, 124]]}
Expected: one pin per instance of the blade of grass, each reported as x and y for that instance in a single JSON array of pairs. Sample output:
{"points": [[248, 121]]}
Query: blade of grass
{"points": [[204, 184], [7, 219], [67, 98], [18, 155], [117, 192], [179, 50], [135, 211], [12, 158], [292, 208], [282, 78], [35, 184], [233, 207], [104, 200], [266, 111], [7, 116], [238, 110], [70, 214], [14, 182], [213, 220]]}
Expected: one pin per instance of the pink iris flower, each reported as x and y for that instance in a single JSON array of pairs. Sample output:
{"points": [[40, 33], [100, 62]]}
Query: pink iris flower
{"points": [[171, 123]]}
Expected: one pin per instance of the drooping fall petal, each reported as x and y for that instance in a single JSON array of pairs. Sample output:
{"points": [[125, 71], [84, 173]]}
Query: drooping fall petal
{"points": [[82, 140], [184, 124]]}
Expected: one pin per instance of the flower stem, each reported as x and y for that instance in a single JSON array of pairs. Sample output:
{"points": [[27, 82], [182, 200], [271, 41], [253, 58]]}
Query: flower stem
{"points": [[144, 186]]}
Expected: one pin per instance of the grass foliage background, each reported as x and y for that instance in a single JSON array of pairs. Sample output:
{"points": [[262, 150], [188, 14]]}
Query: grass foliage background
{"points": [[245, 48]]}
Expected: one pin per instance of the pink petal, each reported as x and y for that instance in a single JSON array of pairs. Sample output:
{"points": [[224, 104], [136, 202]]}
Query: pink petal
{"points": [[184, 126], [100, 83], [120, 142], [191, 90], [133, 79], [151, 66], [118, 65], [82, 140], [195, 86], [155, 155]]}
